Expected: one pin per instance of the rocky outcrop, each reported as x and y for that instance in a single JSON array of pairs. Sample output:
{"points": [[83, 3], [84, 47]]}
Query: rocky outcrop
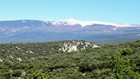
{"points": [[72, 46]]}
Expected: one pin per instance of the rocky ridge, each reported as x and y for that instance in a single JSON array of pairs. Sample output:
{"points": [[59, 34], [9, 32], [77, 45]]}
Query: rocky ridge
{"points": [[31, 51]]}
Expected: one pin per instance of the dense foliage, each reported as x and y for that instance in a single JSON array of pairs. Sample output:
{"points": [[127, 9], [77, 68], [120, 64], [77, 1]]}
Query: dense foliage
{"points": [[121, 61]]}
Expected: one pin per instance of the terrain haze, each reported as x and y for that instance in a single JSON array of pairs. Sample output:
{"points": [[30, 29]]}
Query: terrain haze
{"points": [[70, 29]]}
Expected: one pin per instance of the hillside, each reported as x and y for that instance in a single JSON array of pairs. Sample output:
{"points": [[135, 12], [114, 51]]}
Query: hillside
{"points": [[118, 61], [30, 51]]}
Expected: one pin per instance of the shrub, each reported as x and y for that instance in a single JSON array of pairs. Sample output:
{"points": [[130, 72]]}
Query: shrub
{"points": [[126, 51]]}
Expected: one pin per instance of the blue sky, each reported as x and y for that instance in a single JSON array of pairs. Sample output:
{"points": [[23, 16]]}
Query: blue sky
{"points": [[115, 11]]}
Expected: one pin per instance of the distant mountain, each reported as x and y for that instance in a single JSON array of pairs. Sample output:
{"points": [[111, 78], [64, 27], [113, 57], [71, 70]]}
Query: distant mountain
{"points": [[36, 31]]}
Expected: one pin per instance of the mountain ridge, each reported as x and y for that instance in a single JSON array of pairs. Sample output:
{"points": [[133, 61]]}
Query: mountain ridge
{"points": [[74, 21], [37, 30]]}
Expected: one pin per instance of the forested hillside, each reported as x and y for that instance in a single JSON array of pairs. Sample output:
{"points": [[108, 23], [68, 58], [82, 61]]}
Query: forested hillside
{"points": [[30, 51], [70, 60]]}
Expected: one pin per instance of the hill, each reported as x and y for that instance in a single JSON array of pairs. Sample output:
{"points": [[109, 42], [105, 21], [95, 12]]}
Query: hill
{"points": [[119, 61]]}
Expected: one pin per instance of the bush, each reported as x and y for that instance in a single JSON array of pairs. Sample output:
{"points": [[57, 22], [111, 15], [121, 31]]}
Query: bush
{"points": [[126, 51], [17, 73]]}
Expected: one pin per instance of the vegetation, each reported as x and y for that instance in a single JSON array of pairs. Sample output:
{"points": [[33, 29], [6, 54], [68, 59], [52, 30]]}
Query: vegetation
{"points": [[121, 61]]}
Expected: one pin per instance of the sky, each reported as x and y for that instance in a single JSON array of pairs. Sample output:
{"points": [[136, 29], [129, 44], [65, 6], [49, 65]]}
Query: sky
{"points": [[114, 11]]}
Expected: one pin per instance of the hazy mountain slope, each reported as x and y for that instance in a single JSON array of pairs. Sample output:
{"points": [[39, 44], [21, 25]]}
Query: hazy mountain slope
{"points": [[36, 31]]}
